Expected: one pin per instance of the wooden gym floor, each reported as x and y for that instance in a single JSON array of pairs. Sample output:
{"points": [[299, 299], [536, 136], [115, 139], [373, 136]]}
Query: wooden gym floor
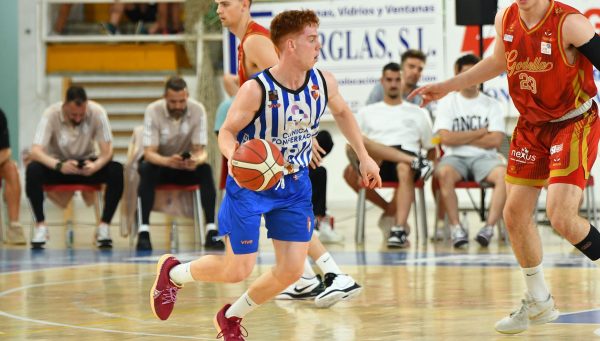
{"points": [[428, 292]]}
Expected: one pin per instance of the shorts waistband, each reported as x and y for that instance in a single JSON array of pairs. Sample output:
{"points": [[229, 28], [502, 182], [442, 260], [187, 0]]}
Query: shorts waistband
{"points": [[575, 112]]}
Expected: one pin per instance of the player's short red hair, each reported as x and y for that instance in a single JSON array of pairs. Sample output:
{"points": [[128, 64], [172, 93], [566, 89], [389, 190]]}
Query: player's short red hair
{"points": [[291, 22]]}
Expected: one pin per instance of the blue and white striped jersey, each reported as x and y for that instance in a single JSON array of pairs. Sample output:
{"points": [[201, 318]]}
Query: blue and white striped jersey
{"points": [[289, 118]]}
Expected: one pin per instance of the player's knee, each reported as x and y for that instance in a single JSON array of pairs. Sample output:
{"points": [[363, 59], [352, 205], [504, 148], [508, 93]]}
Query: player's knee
{"points": [[514, 215], [238, 273], [559, 219]]}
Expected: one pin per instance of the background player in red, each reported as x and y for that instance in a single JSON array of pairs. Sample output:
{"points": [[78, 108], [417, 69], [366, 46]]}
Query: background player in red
{"points": [[256, 52], [547, 49]]}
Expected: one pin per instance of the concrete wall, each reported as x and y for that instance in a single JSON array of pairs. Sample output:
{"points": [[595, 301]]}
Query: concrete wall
{"points": [[9, 53]]}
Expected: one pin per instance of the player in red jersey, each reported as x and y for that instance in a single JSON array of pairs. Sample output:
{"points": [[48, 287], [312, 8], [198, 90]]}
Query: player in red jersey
{"points": [[547, 49], [256, 52]]}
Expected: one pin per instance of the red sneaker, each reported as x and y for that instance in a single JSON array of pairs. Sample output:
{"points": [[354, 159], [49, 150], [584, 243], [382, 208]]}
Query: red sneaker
{"points": [[229, 329], [164, 292]]}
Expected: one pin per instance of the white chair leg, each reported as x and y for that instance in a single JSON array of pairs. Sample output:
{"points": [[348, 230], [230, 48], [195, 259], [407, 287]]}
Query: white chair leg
{"points": [[359, 232], [136, 227], [198, 219], [423, 212]]}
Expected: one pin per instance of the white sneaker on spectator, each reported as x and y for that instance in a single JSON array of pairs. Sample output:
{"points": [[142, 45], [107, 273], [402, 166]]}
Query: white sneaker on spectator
{"points": [[40, 236], [327, 234], [484, 236], [103, 239], [459, 237], [531, 312]]}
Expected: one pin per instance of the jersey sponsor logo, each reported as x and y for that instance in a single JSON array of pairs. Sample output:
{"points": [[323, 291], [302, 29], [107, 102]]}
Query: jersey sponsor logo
{"points": [[522, 156], [515, 67], [247, 242], [508, 37], [546, 48], [298, 113], [556, 148], [274, 105]]}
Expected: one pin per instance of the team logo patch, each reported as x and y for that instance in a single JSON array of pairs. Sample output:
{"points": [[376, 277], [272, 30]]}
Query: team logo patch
{"points": [[508, 37], [314, 91], [273, 96]]}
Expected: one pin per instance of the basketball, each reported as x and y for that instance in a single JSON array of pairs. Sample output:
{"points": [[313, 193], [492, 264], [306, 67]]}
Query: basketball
{"points": [[257, 165]]}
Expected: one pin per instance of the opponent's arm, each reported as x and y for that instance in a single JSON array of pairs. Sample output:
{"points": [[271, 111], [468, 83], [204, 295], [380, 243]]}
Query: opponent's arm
{"points": [[578, 32], [486, 69], [260, 51]]}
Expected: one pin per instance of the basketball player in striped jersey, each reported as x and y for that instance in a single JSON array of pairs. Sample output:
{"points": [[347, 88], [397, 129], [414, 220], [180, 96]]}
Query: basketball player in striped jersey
{"points": [[548, 50], [256, 52], [284, 105]]}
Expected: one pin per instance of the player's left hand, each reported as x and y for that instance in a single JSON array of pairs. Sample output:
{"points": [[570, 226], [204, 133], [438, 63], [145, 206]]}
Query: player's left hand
{"points": [[317, 154], [369, 171]]}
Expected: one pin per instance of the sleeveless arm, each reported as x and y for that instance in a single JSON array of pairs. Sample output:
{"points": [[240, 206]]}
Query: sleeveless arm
{"points": [[240, 114]]}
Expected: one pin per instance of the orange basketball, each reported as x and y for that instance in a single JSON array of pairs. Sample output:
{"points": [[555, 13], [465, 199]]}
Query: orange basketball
{"points": [[257, 165]]}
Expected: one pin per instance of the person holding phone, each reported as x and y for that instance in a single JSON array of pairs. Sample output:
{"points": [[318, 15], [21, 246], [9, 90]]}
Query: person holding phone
{"points": [[64, 152], [175, 135]]}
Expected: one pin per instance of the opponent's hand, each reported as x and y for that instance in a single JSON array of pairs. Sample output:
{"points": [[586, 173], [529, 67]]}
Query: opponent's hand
{"points": [[430, 92], [317, 154], [369, 173]]}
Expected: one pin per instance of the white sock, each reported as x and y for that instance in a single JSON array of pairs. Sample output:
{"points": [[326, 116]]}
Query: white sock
{"points": [[536, 286], [397, 228], [181, 273], [241, 307], [327, 264], [308, 270], [211, 226], [144, 228]]}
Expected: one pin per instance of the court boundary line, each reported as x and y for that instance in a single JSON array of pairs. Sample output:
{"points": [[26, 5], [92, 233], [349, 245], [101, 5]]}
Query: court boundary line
{"points": [[64, 325]]}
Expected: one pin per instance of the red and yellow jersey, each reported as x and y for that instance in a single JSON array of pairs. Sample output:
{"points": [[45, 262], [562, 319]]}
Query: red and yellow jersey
{"points": [[543, 85], [253, 28]]}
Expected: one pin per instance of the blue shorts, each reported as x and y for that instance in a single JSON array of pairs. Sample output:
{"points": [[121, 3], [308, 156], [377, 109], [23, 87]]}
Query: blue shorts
{"points": [[288, 213]]}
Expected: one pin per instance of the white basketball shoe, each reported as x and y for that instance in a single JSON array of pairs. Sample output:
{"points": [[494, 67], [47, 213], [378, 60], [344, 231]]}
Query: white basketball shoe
{"points": [[338, 287], [531, 312], [303, 288]]}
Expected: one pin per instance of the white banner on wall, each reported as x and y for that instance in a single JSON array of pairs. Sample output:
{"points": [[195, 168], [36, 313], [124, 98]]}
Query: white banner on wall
{"points": [[464, 39], [360, 37]]}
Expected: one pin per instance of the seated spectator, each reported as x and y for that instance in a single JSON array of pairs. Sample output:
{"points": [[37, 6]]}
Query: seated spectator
{"points": [[64, 152], [12, 186], [471, 129], [175, 136], [395, 131], [162, 18], [61, 20], [412, 63]]}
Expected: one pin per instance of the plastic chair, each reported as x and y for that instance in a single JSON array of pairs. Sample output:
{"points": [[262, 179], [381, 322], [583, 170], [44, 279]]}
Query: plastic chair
{"points": [[199, 229], [480, 208], [68, 212], [418, 207]]}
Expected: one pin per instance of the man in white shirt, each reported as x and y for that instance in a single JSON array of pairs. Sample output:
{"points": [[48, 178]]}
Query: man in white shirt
{"points": [[395, 131], [471, 129]]}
